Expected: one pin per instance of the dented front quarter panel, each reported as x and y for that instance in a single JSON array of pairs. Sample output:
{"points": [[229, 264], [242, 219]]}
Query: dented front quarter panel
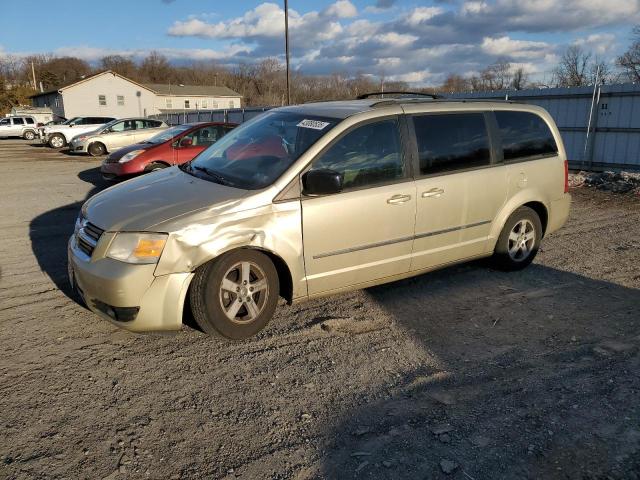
{"points": [[255, 222]]}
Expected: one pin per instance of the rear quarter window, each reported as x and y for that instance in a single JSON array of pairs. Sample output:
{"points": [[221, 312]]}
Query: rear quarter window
{"points": [[524, 134]]}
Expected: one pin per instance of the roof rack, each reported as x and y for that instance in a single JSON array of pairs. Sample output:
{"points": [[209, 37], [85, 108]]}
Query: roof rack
{"points": [[408, 94]]}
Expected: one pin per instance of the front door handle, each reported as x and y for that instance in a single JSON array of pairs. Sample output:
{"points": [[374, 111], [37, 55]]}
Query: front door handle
{"points": [[433, 193], [398, 199]]}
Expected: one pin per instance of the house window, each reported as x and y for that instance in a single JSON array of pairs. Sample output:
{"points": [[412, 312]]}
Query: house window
{"points": [[204, 104], [56, 101], [214, 105], [121, 100], [102, 100], [169, 104], [186, 104], [231, 104]]}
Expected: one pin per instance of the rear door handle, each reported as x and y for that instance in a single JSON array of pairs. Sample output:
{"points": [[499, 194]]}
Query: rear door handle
{"points": [[433, 193], [398, 199]]}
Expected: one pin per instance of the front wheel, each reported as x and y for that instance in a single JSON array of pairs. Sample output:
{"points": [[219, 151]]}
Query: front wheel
{"points": [[235, 295], [519, 240], [96, 149], [155, 166], [57, 141]]}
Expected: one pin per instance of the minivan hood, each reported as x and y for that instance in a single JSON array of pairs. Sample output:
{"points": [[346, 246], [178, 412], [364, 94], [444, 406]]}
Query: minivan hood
{"points": [[144, 202]]}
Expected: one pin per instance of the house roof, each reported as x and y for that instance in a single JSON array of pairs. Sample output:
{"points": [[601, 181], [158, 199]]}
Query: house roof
{"points": [[86, 79], [191, 90]]}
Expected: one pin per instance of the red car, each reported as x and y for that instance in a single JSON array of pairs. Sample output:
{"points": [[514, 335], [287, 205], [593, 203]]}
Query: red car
{"points": [[173, 146]]}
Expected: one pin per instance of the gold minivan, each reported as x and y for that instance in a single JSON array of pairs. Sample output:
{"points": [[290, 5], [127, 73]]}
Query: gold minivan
{"points": [[315, 199]]}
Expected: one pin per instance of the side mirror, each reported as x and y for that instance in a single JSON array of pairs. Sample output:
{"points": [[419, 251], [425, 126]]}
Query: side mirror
{"points": [[321, 182], [186, 142]]}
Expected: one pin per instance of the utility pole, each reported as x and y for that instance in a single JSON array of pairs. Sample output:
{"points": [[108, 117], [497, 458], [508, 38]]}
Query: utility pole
{"points": [[33, 72], [286, 45]]}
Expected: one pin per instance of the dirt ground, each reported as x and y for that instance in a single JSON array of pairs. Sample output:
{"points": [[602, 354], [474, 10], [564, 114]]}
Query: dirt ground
{"points": [[482, 374]]}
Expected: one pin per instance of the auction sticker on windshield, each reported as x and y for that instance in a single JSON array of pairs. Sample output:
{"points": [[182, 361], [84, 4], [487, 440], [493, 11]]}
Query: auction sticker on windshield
{"points": [[315, 124]]}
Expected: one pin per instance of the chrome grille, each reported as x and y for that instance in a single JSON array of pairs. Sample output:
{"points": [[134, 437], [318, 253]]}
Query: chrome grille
{"points": [[87, 237]]}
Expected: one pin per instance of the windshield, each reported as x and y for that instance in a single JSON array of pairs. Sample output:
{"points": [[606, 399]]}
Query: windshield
{"points": [[256, 153], [168, 134]]}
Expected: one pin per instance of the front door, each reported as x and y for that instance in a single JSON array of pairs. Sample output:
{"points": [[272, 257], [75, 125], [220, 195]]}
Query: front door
{"points": [[187, 147], [460, 188], [366, 231]]}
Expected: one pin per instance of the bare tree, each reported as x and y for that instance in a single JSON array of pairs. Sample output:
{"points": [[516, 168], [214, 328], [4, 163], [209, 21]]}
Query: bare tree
{"points": [[519, 79], [578, 68], [629, 61], [119, 64]]}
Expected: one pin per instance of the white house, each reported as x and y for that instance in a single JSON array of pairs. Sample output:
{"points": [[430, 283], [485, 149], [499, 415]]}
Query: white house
{"points": [[110, 94]]}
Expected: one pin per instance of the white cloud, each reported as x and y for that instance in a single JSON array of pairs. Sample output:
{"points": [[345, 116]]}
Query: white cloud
{"points": [[601, 44], [342, 9], [508, 47], [421, 14]]}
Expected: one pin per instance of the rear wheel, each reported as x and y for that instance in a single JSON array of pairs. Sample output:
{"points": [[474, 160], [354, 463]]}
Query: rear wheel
{"points": [[57, 141], [519, 240], [96, 149], [29, 135], [235, 295]]}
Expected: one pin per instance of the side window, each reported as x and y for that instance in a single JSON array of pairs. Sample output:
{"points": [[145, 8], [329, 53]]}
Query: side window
{"points": [[203, 136], [152, 123], [102, 100], [18, 121], [524, 134], [450, 142], [367, 156], [29, 120], [140, 124], [117, 127]]}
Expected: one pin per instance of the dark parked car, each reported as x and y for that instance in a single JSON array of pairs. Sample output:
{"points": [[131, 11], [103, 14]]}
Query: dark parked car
{"points": [[173, 146]]}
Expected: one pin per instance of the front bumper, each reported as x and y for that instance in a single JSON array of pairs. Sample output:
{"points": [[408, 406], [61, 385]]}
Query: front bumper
{"points": [[111, 170], [107, 285], [77, 147]]}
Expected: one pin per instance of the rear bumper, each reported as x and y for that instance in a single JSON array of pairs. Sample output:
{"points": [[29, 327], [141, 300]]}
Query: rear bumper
{"points": [[109, 286], [558, 213]]}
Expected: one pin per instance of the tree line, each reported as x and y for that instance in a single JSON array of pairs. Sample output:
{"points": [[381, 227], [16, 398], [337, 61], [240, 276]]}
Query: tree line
{"points": [[263, 83]]}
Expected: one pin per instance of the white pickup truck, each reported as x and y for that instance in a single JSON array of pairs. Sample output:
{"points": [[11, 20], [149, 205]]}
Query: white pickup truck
{"points": [[57, 136]]}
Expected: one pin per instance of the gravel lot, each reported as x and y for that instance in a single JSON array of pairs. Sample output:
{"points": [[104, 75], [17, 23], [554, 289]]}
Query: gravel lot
{"points": [[470, 371]]}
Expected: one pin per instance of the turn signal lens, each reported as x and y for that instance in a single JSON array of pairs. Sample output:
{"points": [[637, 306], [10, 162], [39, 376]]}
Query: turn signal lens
{"points": [[149, 248]]}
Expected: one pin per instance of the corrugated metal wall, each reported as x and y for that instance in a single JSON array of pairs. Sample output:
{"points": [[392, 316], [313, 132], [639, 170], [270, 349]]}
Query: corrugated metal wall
{"points": [[614, 138]]}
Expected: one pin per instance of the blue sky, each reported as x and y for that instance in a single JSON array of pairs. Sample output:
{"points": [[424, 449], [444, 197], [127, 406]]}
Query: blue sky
{"points": [[416, 41]]}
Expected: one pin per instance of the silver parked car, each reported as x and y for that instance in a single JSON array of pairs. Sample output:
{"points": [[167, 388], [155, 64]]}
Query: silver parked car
{"points": [[311, 200], [115, 135], [19, 126]]}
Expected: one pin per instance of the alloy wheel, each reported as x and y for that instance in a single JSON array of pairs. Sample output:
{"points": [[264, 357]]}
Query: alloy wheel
{"points": [[243, 292], [521, 240]]}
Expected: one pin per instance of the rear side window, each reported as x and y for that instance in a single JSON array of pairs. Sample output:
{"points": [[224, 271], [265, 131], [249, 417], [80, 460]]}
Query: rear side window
{"points": [[524, 134], [29, 120], [367, 156], [451, 142], [152, 124]]}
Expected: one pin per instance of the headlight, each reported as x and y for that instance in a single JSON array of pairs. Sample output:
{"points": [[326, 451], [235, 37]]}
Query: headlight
{"points": [[130, 156], [80, 138], [137, 247]]}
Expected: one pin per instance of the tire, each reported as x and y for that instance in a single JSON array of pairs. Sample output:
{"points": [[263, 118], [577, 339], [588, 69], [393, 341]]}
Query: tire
{"points": [[224, 310], [29, 135], [519, 240], [97, 149], [57, 141], [155, 166]]}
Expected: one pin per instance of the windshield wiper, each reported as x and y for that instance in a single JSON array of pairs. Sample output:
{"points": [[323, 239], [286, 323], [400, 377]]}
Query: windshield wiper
{"points": [[213, 174]]}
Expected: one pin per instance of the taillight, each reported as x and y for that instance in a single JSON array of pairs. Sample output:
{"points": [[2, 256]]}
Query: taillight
{"points": [[566, 176]]}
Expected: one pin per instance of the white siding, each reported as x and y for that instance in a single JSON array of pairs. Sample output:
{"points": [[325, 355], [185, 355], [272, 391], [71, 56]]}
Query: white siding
{"points": [[82, 99], [212, 103]]}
